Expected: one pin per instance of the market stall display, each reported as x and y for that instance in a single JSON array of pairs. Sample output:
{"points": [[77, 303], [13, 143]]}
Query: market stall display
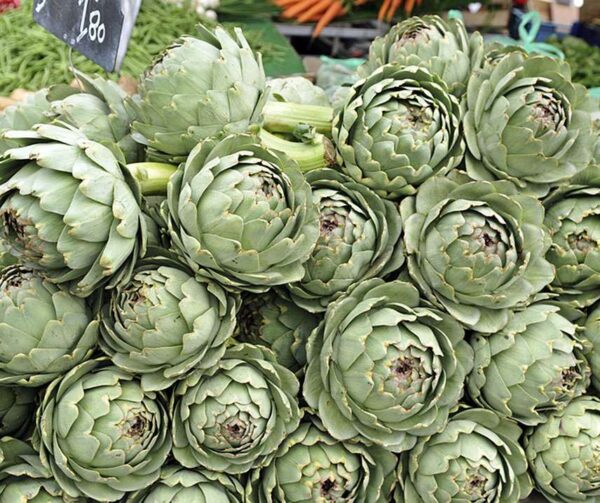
{"points": [[222, 289]]}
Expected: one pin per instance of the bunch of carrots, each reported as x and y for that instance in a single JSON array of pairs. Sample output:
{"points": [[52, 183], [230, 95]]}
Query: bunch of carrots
{"points": [[324, 12]]}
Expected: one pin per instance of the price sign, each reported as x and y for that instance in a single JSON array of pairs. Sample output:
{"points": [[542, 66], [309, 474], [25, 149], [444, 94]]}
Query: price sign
{"points": [[98, 29]]}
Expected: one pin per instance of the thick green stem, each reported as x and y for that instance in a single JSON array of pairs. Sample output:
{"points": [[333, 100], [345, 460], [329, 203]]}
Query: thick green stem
{"points": [[317, 154], [152, 176], [281, 117]]}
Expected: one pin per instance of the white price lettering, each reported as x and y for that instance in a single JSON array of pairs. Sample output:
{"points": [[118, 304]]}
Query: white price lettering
{"points": [[40, 6], [91, 25]]}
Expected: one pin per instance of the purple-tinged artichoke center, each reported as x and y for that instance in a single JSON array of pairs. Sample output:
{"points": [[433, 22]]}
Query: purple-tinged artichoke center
{"points": [[331, 223], [582, 242], [414, 36], [135, 425], [406, 371], [234, 430], [330, 489], [17, 232], [488, 240]]}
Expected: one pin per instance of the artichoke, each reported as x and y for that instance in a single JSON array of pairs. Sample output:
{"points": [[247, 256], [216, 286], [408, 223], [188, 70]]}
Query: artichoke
{"points": [[563, 453], [17, 408], [198, 88], [398, 127], [242, 214], [270, 320], [572, 213], [385, 368], [71, 209], [532, 367], [312, 467], [476, 458], [527, 122], [177, 484], [359, 239], [44, 330], [35, 109], [476, 249], [443, 47], [23, 478], [233, 416], [98, 110], [166, 322], [591, 337], [297, 90], [100, 434]]}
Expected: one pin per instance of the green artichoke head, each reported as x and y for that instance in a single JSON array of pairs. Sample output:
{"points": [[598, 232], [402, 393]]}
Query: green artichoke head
{"points": [[398, 127], [165, 322], [530, 368], [199, 87], [98, 110], [17, 409], [233, 416], [573, 219], [34, 109], [564, 453], [242, 214], [359, 239], [44, 330], [476, 458], [100, 434], [71, 210], [25, 479], [194, 486], [527, 122], [271, 320], [385, 368], [443, 47], [6, 258], [476, 249], [298, 90], [312, 467]]}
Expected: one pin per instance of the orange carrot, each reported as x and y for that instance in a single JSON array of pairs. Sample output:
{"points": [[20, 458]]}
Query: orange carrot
{"points": [[408, 7], [383, 10], [285, 3], [393, 8], [319, 7], [335, 9], [298, 7]]}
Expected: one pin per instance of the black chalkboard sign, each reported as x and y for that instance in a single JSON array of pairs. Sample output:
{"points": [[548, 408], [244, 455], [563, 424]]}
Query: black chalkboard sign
{"points": [[98, 29]]}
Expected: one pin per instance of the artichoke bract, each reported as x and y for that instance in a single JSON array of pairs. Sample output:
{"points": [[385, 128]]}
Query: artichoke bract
{"points": [[385, 368], [530, 368], [44, 330], [6, 258], [72, 209], [476, 458], [17, 409], [242, 214], [270, 320], [24, 478], [476, 249], [443, 47], [165, 322], [572, 216], [200, 87], [192, 486], [398, 127], [591, 337], [527, 122], [359, 239], [232, 417], [100, 434], [563, 453], [312, 467]]}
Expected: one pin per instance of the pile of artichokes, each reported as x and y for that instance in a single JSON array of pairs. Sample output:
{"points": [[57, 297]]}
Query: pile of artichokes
{"points": [[223, 290]]}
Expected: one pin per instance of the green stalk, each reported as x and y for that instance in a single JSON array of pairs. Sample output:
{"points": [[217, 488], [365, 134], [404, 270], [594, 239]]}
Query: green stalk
{"points": [[152, 176], [281, 117], [317, 154]]}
